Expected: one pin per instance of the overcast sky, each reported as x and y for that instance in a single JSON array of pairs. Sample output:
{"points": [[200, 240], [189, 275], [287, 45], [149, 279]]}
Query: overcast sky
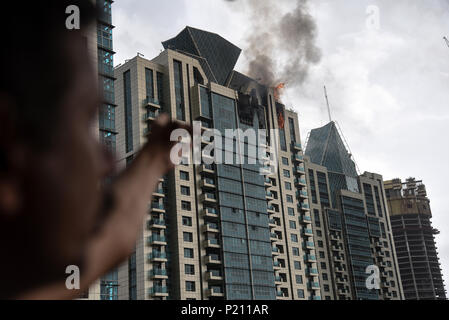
{"points": [[388, 87]]}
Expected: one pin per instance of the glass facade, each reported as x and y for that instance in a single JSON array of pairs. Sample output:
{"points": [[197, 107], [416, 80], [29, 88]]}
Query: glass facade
{"points": [[359, 245], [247, 252]]}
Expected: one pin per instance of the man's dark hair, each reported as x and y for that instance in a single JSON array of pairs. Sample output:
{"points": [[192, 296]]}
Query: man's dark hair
{"points": [[35, 71]]}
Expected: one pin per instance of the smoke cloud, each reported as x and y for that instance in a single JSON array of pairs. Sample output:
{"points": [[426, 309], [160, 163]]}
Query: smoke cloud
{"points": [[281, 46]]}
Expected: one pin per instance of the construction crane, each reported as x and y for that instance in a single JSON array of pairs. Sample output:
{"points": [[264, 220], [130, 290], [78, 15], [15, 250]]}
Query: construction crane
{"points": [[447, 41]]}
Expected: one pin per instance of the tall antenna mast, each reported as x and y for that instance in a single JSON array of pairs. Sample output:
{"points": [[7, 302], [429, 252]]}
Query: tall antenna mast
{"points": [[447, 41], [327, 102]]}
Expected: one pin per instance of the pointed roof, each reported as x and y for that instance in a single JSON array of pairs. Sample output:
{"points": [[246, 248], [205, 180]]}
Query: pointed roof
{"points": [[326, 147], [217, 56]]}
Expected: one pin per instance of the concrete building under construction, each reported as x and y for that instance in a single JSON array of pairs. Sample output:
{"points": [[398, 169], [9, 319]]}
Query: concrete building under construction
{"points": [[410, 216]]}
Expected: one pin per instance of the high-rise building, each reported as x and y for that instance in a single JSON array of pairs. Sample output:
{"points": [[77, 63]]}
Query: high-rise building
{"points": [[350, 222], [221, 230], [410, 216], [100, 44]]}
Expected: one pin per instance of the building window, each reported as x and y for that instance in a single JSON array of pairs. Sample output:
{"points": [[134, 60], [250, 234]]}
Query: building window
{"points": [[185, 191], [184, 175], [185, 205], [179, 90], [299, 279], [292, 224], [187, 221], [320, 244], [128, 111], [285, 161], [289, 198], [297, 265], [295, 251], [291, 211], [288, 186], [294, 238], [322, 254], [160, 87], [189, 269], [188, 253], [188, 237], [325, 276], [287, 173], [104, 36], [107, 117], [149, 84], [323, 265], [190, 286], [291, 125], [300, 293], [326, 288]]}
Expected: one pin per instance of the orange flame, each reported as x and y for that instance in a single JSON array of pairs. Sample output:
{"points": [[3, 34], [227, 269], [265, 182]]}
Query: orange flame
{"points": [[278, 90]]}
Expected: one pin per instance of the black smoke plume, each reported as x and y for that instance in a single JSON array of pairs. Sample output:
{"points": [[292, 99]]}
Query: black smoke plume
{"points": [[281, 46]]}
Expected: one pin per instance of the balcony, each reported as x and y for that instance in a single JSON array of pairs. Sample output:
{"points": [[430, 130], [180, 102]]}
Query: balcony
{"points": [[303, 206], [342, 291], [210, 213], [212, 259], [207, 183], [274, 236], [206, 168], [298, 158], [278, 280], [272, 223], [305, 218], [313, 285], [300, 182], [337, 258], [156, 224], [150, 115], [276, 265], [297, 146], [308, 232], [214, 275], [335, 237], [309, 245], [341, 280], [157, 274], [302, 194], [159, 193], [158, 291], [157, 207], [309, 258], [152, 102], [271, 210], [268, 182], [215, 292], [156, 239], [265, 171], [212, 243], [312, 271], [299, 170], [211, 227], [157, 256], [269, 195], [275, 251], [208, 197]]}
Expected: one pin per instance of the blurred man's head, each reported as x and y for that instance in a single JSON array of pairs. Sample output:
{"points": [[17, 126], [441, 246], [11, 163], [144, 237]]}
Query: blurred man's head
{"points": [[51, 162]]}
